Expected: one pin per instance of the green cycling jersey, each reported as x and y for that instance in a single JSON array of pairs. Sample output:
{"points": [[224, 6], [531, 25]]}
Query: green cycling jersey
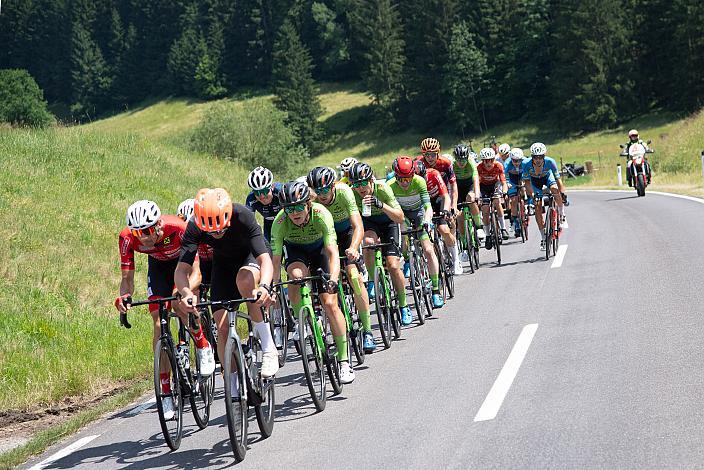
{"points": [[466, 173], [384, 194], [342, 206], [414, 196], [319, 229]]}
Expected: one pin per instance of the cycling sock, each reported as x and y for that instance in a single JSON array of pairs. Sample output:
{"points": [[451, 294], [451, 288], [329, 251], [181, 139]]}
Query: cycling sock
{"points": [[264, 333], [341, 343], [434, 280], [477, 220], [502, 223], [366, 320], [486, 229], [561, 210], [401, 295], [164, 378], [200, 339]]}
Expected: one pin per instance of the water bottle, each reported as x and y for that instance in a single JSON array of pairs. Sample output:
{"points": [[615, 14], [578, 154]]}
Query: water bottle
{"points": [[366, 210]]}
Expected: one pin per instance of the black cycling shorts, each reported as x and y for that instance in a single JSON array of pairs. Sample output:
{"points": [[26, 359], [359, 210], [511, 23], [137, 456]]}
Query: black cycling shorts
{"points": [[463, 188], [438, 205], [160, 277], [388, 232], [206, 271], [488, 190], [313, 257], [344, 240], [223, 284]]}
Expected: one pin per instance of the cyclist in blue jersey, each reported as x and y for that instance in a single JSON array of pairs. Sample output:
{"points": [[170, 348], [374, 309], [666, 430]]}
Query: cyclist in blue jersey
{"points": [[264, 197], [541, 171], [513, 168]]}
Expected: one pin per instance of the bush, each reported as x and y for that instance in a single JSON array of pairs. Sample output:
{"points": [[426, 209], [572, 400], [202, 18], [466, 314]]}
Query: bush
{"points": [[22, 101], [251, 133]]}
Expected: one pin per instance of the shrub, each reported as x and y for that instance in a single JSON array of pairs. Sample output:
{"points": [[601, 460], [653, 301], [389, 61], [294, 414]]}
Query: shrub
{"points": [[251, 133], [22, 101]]}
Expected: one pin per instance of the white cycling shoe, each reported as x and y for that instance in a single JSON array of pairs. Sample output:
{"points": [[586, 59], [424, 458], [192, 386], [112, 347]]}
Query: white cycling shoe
{"points": [[270, 363], [296, 336], [346, 373], [458, 268], [480, 234], [167, 405], [206, 358]]}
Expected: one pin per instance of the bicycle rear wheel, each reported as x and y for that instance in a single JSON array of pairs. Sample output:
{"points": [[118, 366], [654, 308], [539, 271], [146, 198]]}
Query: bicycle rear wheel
{"points": [[439, 253], [171, 428], [555, 231], [202, 388], [313, 367], [395, 310], [522, 220], [235, 400], [497, 236], [449, 275], [355, 335], [264, 411], [332, 364], [383, 308], [417, 289], [547, 229], [278, 322], [467, 242]]}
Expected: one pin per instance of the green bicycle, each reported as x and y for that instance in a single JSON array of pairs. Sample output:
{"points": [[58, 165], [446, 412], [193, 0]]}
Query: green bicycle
{"points": [[345, 296], [387, 309], [469, 242], [419, 279]]}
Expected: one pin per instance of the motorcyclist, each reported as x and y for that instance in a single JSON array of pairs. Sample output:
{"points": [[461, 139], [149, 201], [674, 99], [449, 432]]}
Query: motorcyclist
{"points": [[633, 138]]}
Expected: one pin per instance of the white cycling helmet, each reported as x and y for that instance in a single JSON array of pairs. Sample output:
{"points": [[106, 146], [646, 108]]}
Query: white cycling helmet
{"points": [[347, 163], [142, 214], [538, 148], [487, 153], [517, 154], [260, 178], [185, 209], [504, 149]]}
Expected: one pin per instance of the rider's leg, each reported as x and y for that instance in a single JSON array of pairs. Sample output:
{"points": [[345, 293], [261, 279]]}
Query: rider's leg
{"points": [[337, 323], [433, 267], [397, 278], [361, 298], [247, 283]]}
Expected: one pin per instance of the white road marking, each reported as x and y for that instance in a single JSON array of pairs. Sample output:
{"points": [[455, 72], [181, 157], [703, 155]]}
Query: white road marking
{"points": [[64, 452], [138, 409], [557, 262], [661, 193], [503, 382]]}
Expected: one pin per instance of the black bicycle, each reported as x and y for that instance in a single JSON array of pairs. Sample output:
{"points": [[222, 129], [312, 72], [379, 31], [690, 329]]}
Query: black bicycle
{"points": [[469, 240], [446, 267], [183, 367], [419, 279], [494, 235], [242, 366]]}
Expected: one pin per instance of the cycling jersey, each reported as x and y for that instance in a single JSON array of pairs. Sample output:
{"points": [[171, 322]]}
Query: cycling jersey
{"points": [[436, 185], [205, 252], [491, 175], [414, 197], [538, 179], [267, 211], [465, 173], [318, 231], [342, 207], [513, 173], [384, 194], [549, 166], [445, 167], [166, 249]]}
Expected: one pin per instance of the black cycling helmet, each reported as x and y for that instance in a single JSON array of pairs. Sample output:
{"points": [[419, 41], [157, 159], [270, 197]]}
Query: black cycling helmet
{"points": [[321, 177], [360, 172], [294, 192], [461, 152], [421, 170]]}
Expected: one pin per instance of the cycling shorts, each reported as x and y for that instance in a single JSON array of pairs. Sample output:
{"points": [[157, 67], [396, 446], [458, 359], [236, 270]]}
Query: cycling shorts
{"points": [[538, 183], [415, 219], [313, 256], [488, 190], [160, 279], [388, 232], [344, 240], [206, 271], [438, 205], [224, 276], [464, 187]]}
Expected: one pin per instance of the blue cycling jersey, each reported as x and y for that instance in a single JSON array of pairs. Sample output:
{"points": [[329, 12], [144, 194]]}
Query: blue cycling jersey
{"points": [[513, 173], [549, 166], [268, 211]]}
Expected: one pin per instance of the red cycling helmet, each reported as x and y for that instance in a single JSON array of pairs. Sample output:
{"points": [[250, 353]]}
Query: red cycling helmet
{"points": [[403, 167]]}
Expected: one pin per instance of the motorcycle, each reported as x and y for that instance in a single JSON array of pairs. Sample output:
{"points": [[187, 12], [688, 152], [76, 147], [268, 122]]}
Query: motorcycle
{"points": [[638, 167]]}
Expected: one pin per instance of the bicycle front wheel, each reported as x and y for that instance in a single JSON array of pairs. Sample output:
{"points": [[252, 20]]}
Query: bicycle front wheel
{"points": [[278, 322], [235, 400], [172, 427], [468, 245], [202, 388], [395, 310], [312, 358], [264, 411], [497, 237], [417, 289], [383, 308], [356, 337], [547, 229]]}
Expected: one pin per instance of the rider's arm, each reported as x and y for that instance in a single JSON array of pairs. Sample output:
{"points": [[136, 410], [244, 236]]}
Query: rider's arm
{"points": [[502, 178], [390, 205], [182, 277], [195, 277], [453, 203], [357, 230], [333, 255], [189, 250], [276, 263], [127, 282]]}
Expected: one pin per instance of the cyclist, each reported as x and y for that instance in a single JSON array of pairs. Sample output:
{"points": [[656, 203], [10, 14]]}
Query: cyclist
{"points": [[634, 139], [241, 266], [465, 168], [504, 151], [307, 230], [264, 197], [411, 192], [160, 237], [338, 198], [541, 171], [382, 224], [491, 181], [345, 166], [430, 149], [513, 168], [205, 251]]}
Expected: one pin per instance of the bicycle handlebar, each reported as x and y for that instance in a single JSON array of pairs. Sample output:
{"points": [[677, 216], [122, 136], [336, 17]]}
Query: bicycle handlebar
{"points": [[231, 304], [128, 301], [322, 275]]}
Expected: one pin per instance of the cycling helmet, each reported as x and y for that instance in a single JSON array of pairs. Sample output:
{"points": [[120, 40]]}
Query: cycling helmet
{"points": [[517, 154], [504, 149], [430, 144], [294, 192], [347, 163], [142, 215], [212, 209], [321, 177], [538, 149], [421, 170], [260, 178], [633, 133], [403, 167], [360, 172], [461, 152], [487, 153], [185, 209]]}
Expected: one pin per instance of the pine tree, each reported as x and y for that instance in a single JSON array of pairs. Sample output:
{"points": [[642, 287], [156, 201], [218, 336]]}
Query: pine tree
{"points": [[186, 54], [294, 88], [688, 50]]}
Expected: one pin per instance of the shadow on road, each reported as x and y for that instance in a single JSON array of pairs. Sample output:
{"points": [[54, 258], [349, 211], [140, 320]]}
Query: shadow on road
{"points": [[540, 258], [621, 198]]}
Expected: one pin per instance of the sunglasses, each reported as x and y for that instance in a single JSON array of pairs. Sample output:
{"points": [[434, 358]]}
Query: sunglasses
{"points": [[406, 179], [262, 192], [145, 232], [295, 208], [430, 154], [359, 184], [539, 157], [324, 190]]}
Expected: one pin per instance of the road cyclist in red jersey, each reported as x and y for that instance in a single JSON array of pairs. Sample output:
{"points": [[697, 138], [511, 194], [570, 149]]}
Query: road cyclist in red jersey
{"points": [[492, 181]]}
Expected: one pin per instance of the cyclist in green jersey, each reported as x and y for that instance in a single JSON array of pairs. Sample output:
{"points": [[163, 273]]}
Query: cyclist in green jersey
{"points": [[411, 192], [465, 167], [338, 198], [308, 231], [381, 223]]}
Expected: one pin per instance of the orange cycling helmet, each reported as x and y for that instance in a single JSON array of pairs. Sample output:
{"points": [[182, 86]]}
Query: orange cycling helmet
{"points": [[212, 209], [430, 144]]}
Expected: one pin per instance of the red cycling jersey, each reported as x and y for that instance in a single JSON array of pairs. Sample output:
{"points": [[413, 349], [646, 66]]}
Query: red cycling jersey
{"points": [[436, 186], [492, 175], [166, 249], [444, 166]]}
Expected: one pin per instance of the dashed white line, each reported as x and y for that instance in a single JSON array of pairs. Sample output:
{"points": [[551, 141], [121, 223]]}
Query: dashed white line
{"points": [[492, 402], [560, 256], [64, 452], [138, 409]]}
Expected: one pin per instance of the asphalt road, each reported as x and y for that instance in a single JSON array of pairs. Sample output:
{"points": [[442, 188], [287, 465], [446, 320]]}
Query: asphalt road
{"points": [[606, 351]]}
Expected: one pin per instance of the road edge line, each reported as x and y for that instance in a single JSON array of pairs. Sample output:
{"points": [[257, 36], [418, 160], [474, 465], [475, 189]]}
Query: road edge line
{"points": [[65, 452]]}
